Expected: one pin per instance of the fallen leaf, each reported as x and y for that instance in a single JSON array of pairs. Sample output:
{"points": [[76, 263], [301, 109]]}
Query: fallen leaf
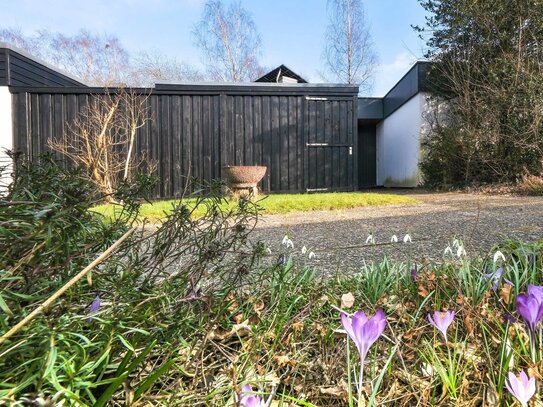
{"points": [[320, 328], [505, 293], [339, 391], [347, 300], [241, 329], [423, 292], [534, 372], [284, 360], [469, 324], [297, 326], [233, 304], [258, 307]]}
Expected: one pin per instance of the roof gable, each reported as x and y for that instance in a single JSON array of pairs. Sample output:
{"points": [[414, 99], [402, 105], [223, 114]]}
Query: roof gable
{"points": [[279, 73]]}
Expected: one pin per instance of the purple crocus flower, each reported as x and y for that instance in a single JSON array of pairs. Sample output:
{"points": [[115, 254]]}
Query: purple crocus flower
{"points": [[414, 273], [248, 399], [442, 321], [94, 307], [363, 331], [536, 291], [521, 387], [530, 308], [495, 277]]}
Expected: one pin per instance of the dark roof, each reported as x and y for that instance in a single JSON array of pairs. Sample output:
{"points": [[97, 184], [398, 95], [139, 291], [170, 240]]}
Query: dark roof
{"points": [[19, 68], [412, 83], [281, 70]]}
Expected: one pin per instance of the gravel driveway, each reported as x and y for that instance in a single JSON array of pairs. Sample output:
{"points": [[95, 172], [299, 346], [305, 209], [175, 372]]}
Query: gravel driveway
{"points": [[338, 237]]}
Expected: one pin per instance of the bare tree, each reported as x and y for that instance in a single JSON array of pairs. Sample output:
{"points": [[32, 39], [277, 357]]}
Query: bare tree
{"points": [[229, 42], [348, 54], [150, 67], [102, 137], [31, 44], [99, 60]]}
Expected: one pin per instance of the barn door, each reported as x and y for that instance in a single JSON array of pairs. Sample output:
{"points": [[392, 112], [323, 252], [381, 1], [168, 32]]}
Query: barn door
{"points": [[328, 144]]}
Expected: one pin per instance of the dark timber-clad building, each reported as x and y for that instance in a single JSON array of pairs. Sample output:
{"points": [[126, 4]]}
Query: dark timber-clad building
{"points": [[312, 137]]}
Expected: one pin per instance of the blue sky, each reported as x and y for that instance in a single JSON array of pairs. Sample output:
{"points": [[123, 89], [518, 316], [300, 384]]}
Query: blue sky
{"points": [[292, 31]]}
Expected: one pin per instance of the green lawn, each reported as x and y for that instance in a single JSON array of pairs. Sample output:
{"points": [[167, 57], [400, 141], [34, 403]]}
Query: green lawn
{"points": [[284, 203]]}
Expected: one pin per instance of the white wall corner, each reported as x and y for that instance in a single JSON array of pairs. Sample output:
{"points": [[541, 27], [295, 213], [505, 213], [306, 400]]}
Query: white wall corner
{"points": [[6, 136], [399, 144]]}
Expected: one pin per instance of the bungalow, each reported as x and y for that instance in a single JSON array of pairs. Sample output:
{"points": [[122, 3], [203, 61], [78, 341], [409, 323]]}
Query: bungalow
{"points": [[312, 137]]}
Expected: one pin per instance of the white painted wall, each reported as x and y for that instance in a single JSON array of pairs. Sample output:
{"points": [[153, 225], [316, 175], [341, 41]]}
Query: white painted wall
{"points": [[398, 144], [6, 134]]}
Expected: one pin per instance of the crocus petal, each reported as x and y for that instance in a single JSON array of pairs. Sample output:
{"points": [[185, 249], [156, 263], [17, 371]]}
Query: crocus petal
{"points": [[347, 325], [530, 309], [521, 387], [536, 291], [95, 306], [414, 273], [367, 331], [251, 401], [248, 399], [442, 321], [509, 282]]}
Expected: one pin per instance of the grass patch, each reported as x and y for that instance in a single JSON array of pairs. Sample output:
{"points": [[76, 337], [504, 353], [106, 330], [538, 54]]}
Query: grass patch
{"points": [[278, 203]]}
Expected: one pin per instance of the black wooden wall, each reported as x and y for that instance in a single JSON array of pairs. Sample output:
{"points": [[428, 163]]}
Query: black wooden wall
{"points": [[304, 134], [17, 68]]}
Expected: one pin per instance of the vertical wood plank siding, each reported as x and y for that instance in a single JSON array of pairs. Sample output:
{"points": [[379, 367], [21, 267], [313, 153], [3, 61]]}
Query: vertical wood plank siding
{"points": [[197, 134]]}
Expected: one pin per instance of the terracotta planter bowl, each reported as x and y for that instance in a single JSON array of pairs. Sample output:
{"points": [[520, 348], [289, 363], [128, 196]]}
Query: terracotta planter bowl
{"points": [[243, 176]]}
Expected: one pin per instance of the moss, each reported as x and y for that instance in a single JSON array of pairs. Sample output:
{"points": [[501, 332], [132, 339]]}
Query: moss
{"points": [[408, 182]]}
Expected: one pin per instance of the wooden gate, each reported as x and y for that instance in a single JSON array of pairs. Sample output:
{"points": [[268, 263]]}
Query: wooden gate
{"points": [[329, 144]]}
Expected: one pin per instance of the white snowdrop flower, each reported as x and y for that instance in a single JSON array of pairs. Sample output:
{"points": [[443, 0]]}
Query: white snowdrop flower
{"points": [[509, 350], [427, 370], [407, 238], [460, 251], [370, 239], [498, 255], [447, 251], [285, 240], [268, 250], [290, 244], [394, 239], [456, 243], [311, 255], [304, 250]]}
